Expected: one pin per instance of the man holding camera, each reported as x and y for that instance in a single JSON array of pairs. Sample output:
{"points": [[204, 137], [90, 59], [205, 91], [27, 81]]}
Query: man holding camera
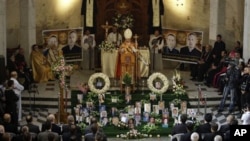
{"points": [[231, 83]]}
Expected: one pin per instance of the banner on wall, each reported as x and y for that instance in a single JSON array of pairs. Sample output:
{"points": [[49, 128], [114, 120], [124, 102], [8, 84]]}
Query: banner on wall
{"points": [[69, 41], [182, 44]]}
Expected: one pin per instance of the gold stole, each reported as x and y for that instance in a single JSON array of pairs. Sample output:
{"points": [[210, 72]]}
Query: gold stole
{"points": [[89, 13], [156, 13]]}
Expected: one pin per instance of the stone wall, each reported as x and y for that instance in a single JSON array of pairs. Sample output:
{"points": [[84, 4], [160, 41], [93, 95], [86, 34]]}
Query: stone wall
{"points": [[193, 15]]}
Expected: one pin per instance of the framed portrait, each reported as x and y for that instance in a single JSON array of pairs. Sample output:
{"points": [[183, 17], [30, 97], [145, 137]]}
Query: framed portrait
{"points": [[124, 117], [191, 112], [101, 98], [79, 98], [103, 114], [147, 107], [131, 109], [85, 112], [89, 104], [165, 122], [137, 120], [137, 111], [146, 116], [156, 109], [175, 111], [102, 108], [138, 104], [115, 121], [171, 106], [152, 96], [183, 107], [114, 111], [161, 105]]}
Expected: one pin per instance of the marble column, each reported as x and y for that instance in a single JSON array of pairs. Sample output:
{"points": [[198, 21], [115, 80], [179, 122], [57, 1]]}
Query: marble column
{"points": [[27, 26], [3, 28], [217, 19], [246, 31]]}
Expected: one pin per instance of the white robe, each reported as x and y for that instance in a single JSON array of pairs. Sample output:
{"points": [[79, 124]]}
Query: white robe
{"points": [[18, 88]]}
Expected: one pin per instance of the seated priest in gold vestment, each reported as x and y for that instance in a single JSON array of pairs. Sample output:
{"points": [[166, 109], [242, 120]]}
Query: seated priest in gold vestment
{"points": [[127, 57], [40, 66]]}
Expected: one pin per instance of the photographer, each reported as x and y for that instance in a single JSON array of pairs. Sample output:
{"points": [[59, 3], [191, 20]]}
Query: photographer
{"points": [[231, 82], [245, 87]]}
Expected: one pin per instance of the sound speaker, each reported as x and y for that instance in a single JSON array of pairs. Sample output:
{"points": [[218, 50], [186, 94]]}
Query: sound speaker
{"points": [[2, 70]]}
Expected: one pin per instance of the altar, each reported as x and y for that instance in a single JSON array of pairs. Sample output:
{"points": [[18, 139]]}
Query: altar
{"points": [[109, 62]]}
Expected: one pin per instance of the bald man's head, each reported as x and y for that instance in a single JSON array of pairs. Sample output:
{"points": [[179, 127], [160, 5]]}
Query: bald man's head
{"points": [[13, 74]]}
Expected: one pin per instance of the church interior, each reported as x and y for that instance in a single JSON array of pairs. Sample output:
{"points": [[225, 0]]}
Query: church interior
{"points": [[115, 54]]}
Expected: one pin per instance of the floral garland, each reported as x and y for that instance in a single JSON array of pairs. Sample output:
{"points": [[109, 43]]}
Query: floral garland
{"points": [[61, 69], [106, 46], [163, 78], [93, 78], [123, 21]]}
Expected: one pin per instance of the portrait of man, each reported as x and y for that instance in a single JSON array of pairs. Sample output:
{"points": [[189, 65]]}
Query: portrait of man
{"points": [[175, 112], [146, 116], [62, 39], [191, 48], [183, 107], [181, 38], [72, 48], [170, 47], [161, 105]]}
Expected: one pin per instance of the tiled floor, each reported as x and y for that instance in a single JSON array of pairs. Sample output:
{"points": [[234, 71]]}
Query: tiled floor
{"points": [[50, 90]]}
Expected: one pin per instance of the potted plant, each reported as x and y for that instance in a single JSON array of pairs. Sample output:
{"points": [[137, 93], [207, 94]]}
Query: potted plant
{"points": [[127, 81]]}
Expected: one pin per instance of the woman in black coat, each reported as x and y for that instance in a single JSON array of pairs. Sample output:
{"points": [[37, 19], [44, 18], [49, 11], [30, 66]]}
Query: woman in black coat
{"points": [[11, 99]]}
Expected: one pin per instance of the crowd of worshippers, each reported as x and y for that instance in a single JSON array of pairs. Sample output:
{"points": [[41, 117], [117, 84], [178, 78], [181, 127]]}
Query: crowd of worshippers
{"points": [[207, 130], [50, 131]]}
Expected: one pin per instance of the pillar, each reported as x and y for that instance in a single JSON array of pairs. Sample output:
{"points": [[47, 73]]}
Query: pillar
{"points": [[246, 31], [27, 26], [217, 19], [3, 40]]}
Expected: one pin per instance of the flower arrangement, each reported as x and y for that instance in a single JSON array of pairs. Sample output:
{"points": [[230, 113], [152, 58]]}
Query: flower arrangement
{"points": [[107, 46], [82, 126], [92, 79], [163, 78], [149, 128], [123, 21], [61, 69], [178, 87], [132, 134], [121, 125], [127, 79]]}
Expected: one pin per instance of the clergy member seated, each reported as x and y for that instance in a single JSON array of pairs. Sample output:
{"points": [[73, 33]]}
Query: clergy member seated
{"points": [[40, 66], [115, 37], [72, 50]]}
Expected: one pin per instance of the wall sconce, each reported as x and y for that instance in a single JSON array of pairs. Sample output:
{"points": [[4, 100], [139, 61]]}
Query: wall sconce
{"points": [[179, 3]]}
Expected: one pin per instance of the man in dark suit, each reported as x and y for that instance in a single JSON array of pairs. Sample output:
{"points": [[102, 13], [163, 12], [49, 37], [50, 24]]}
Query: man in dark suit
{"points": [[187, 136], [8, 126], [87, 130], [206, 127], [43, 136], [219, 46], [91, 136], [32, 128], [55, 128], [214, 132], [180, 128], [72, 48], [225, 127], [71, 128]]}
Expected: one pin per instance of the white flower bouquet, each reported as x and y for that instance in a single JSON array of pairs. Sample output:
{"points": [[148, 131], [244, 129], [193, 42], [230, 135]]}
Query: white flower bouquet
{"points": [[106, 46]]}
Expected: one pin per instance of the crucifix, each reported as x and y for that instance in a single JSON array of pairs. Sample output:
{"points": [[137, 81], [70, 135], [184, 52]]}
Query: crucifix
{"points": [[106, 27]]}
